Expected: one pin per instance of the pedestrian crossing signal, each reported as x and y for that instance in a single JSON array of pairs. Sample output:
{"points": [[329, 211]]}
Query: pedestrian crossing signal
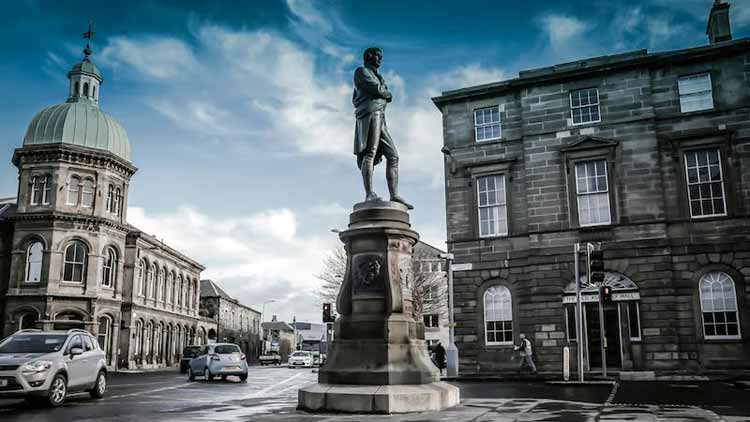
{"points": [[606, 294]]}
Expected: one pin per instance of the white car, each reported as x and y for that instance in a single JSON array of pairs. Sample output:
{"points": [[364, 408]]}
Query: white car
{"points": [[301, 358]]}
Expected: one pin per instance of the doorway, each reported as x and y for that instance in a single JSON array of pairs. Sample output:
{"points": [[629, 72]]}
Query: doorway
{"points": [[612, 332]]}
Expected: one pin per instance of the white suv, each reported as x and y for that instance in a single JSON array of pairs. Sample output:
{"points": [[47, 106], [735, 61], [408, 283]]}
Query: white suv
{"points": [[44, 366]]}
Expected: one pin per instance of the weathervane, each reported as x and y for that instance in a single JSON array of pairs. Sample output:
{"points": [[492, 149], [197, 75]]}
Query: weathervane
{"points": [[88, 35]]}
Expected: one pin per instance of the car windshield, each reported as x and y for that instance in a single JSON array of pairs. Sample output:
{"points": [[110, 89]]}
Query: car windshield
{"points": [[226, 349], [300, 354], [191, 352], [33, 343]]}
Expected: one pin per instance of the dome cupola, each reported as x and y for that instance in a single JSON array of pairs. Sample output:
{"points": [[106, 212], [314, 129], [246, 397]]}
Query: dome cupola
{"points": [[79, 121]]}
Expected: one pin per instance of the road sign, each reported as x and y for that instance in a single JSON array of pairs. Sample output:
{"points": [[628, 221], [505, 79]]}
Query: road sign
{"points": [[462, 267]]}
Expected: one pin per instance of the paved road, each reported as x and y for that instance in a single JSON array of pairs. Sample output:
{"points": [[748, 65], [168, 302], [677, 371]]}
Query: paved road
{"points": [[271, 395]]}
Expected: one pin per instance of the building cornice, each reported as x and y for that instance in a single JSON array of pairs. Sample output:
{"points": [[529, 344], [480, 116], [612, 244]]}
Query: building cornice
{"points": [[32, 154], [87, 221]]}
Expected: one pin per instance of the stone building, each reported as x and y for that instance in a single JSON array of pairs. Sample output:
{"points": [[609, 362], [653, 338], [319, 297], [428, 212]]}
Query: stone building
{"points": [[431, 267], [237, 323], [68, 257], [280, 337], [647, 153]]}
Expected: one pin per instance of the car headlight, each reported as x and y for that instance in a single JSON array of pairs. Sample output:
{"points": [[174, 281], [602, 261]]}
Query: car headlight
{"points": [[37, 366]]}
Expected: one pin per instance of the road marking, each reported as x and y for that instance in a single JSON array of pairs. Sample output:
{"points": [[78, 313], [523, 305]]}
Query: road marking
{"points": [[267, 389], [612, 394], [156, 390]]}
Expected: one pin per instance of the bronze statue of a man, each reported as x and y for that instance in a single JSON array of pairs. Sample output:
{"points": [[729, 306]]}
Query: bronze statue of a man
{"points": [[372, 141]]}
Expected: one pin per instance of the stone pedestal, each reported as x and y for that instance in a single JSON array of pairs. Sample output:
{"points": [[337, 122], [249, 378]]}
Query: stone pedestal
{"points": [[378, 362]]}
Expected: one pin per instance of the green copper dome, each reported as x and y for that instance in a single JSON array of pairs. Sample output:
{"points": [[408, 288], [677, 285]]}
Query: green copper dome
{"points": [[78, 123], [79, 120]]}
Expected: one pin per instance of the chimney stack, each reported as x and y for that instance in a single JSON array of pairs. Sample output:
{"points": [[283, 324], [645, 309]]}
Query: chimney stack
{"points": [[273, 319], [718, 29]]}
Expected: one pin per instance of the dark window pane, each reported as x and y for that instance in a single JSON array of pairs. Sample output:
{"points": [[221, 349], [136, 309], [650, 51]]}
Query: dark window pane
{"points": [[732, 329], [702, 158], [68, 274], [695, 207], [731, 317], [721, 330], [708, 317], [490, 336], [718, 206], [710, 330], [719, 317]]}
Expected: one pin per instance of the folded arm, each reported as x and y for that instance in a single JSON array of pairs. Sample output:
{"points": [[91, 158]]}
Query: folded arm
{"points": [[369, 83]]}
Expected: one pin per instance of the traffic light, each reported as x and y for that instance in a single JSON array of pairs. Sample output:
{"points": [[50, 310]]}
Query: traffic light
{"points": [[327, 316], [606, 294], [596, 267]]}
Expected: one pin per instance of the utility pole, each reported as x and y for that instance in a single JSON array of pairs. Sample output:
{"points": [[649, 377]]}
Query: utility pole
{"points": [[579, 309], [595, 276], [451, 354]]}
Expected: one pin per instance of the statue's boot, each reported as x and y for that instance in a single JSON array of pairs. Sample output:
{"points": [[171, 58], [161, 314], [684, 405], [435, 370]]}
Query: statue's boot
{"points": [[372, 196], [396, 198], [367, 168]]}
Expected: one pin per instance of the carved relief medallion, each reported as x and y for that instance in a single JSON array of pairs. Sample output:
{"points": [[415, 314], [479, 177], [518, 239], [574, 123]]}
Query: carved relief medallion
{"points": [[367, 273]]}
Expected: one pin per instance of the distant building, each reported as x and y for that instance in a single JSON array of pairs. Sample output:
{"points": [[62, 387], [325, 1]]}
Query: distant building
{"points": [[435, 308], [278, 336], [237, 323], [69, 258], [647, 153]]}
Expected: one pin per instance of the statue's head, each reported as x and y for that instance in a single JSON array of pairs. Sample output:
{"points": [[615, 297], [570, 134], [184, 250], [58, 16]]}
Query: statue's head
{"points": [[372, 56]]}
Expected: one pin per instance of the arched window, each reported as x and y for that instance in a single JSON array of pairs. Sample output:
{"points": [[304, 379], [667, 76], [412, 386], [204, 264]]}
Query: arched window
{"points": [[87, 194], [74, 186], [118, 197], [77, 89], [140, 278], [105, 337], [498, 315], [138, 346], [27, 320], [40, 190], [164, 283], [86, 89], [151, 284], [46, 188], [719, 306], [34, 262], [75, 262], [109, 268], [178, 287], [110, 198]]}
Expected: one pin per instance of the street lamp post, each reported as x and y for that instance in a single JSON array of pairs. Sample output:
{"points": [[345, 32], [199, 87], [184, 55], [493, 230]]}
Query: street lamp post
{"points": [[260, 331], [451, 355]]}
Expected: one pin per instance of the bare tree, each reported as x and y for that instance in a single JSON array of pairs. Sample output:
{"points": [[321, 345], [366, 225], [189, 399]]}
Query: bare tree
{"points": [[429, 294]]}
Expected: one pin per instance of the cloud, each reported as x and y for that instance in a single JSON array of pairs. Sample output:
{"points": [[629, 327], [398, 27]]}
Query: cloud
{"points": [[562, 29], [254, 258], [153, 56]]}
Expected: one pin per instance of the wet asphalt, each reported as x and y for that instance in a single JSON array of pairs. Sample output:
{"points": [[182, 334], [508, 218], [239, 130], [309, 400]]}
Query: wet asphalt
{"points": [[271, 394]]}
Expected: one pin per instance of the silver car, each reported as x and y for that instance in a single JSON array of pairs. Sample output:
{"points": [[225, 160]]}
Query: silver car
{"points": [[219, 359], [45, 366]]}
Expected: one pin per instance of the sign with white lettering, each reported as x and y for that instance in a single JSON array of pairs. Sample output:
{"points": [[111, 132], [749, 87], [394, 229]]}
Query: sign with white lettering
{"points": [[584, 298], [462, 267], [626, 296]]}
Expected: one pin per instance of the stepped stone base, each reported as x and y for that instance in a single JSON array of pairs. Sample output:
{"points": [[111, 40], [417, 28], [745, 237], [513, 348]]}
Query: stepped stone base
{"points": [[382, 399]]}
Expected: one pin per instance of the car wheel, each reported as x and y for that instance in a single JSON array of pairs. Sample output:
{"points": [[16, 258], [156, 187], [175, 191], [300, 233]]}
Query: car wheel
{"points": [[58, 391], [191, 375], [100, 386], [243, 377], [223, 377], [207, 374]]}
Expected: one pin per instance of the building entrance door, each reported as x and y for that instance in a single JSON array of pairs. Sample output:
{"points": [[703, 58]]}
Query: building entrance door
{"points": [[612, 331]]}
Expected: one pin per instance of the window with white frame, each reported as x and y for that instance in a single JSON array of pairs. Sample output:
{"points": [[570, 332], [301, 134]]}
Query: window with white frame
{"points": [[110, 198], [696, 93], [705, 183], [34, 262], [87, 193], [151, 284], [584, 106], [498, 316], [74, 186], [109, 268], [140, 278], [634, 320], [487, 126], [493, 217], [719, 306], [592, 193], [431, 320], [118, 198], [74, 268], [40, 190]]}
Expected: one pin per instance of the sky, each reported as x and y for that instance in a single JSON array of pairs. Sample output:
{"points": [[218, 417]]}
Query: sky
{"points": [[239, 113]]}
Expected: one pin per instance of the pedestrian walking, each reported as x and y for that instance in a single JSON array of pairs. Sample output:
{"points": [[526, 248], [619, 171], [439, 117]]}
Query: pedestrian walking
{"points": [[526, 354], [440, 357]]}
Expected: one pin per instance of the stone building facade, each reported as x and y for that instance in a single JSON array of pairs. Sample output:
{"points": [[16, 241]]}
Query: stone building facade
{"points": [[68, 257], [435, 317], [236, 323], [280, 337], [647, 154]]}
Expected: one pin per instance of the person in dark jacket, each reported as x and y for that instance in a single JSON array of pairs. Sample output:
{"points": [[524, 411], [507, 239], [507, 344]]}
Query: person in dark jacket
{"points": [[440, 357]]}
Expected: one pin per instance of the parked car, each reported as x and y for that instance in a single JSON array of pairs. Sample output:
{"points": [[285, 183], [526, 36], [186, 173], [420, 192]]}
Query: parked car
{"points": [[46, 366], [188, 353], [270, 358], [301, 358], [220, 359]]}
